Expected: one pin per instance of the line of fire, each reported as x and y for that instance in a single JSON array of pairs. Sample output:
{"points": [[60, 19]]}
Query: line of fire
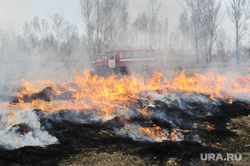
{"points": [[124, 102]]}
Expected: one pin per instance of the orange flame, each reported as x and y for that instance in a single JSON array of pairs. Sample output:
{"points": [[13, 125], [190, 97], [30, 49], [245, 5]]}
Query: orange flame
{"points": [[156, 132], [208, 127], [104, 95], [93, 91]]}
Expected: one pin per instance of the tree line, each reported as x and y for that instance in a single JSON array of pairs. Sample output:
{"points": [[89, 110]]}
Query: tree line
{"points": [[59, 39], [200, 23], [198, 37]]}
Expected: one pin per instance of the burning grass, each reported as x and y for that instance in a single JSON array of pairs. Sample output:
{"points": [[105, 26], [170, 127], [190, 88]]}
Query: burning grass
{"points": [[112, 91], [192, 110], [104, 97]]}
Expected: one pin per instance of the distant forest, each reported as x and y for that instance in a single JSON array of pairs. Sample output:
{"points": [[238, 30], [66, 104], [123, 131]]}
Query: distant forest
{"points": [[198, 38]]}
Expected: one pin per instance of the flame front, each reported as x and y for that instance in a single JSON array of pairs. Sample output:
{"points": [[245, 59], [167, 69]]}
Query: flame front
{"points": [[104, 96]]}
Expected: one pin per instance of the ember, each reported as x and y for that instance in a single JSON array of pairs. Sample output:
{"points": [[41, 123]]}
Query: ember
{"points": [[208, 127], [22, 128]]}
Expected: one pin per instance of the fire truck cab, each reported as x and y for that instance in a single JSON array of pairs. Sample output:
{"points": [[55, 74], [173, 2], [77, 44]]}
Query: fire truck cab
{"points": [[121, 60]]}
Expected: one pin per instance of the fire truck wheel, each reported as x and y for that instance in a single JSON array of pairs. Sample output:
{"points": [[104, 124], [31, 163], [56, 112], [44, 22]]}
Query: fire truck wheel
{"points": [[124, 70]]}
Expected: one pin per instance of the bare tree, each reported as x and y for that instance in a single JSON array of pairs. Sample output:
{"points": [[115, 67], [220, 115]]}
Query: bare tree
{"points": [[194, 9], [140, 30], [58, 23], [70, 32], [32, 31], [123, 22], [184, 25], [111, 13], [99, 25], [221, 46], [238, 12], [29, 36], [106, 24], [209, 24], [36, 24], [205, 22], [153, 10], [44, 28], [87, 7]]}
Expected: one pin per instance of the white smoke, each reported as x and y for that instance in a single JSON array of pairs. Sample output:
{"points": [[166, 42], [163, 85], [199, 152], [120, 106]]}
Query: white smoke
{"points": [[11, 138], [135, 132]]}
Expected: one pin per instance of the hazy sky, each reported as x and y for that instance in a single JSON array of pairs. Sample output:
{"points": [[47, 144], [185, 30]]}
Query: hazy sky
{"points": [[13, 13]]}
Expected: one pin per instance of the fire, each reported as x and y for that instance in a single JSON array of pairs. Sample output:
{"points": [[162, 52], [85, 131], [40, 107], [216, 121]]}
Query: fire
{"points": [[144, 111], [208, 127], [159, 134], [121, 119], [12, 114], [155, 132], [174, 135], [107, 93], [217, 144], [91, 92], [104, 95], [24, 131]]}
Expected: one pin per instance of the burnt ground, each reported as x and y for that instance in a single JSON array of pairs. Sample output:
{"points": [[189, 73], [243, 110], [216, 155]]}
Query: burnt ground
{"points": [[98, 144], [92, 144]]}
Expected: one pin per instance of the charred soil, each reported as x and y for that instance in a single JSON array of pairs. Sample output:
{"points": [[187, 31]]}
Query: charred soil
{"points": [[98, 144]]}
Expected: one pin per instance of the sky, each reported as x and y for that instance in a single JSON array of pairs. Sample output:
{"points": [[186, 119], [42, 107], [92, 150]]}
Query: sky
{"points": [[14, 13]]}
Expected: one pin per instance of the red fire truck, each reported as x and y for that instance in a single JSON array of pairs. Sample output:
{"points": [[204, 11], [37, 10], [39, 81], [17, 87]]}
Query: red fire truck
{"points": [[121, 61]]}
